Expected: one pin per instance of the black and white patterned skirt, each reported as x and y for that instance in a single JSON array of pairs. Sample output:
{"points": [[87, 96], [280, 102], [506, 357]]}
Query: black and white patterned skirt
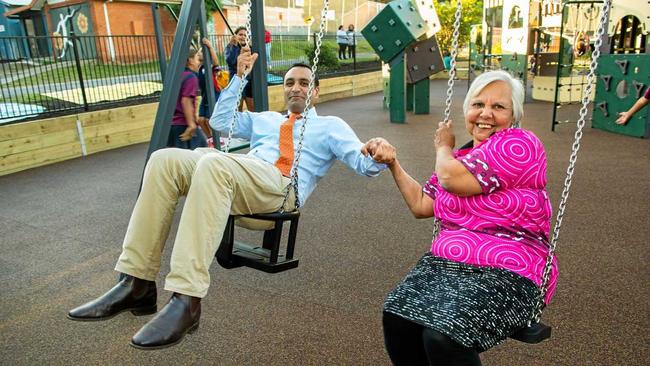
{"points": [[478, 307]]}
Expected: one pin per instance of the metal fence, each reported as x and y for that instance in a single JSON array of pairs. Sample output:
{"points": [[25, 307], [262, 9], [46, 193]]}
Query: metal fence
{"points": [[46, 76]]}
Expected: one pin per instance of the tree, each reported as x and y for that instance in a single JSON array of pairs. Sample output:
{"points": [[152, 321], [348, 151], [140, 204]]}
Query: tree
{"points": [[210, 7], [472, 13]]}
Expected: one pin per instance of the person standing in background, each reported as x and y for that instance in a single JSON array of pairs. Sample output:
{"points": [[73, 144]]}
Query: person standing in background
{"points": [[204, 112], [232, 52], [352, 42], [342, 41], [184, 133], [267, 43]]}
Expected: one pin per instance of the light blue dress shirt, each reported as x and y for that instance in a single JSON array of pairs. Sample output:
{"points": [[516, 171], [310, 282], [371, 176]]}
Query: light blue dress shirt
{"points": [[326, 139]]}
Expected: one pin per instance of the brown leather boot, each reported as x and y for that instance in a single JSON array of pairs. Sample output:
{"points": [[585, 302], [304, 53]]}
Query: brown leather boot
{"points": [[130, 294], [179, 317]]}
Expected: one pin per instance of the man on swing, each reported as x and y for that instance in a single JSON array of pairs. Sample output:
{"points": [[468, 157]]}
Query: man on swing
{"points": [[218, 184]]}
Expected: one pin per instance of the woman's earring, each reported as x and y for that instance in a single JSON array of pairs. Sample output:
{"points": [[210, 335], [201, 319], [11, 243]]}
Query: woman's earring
{"points": [[516, 125]]}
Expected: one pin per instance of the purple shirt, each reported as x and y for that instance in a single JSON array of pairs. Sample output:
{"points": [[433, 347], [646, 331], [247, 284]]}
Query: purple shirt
{"points": [[189, 89], [508, 225]]}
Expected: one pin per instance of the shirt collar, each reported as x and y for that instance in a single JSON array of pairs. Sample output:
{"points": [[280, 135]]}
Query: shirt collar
{"points": [[310, 113]]}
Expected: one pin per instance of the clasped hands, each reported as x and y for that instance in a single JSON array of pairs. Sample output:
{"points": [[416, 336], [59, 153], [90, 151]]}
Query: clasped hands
{"points": [[383, 152], [380, 150]]}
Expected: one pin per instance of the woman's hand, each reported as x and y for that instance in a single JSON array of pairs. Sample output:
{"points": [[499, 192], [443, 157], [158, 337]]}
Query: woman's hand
{"points": [[206, 42], [444, 136], [380, 150]]}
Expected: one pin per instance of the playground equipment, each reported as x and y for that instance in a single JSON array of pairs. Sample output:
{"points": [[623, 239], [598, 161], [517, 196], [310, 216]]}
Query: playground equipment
{"points": [[550, 43], [403, 36], [578, 25], [536, 331], [500, 41], [623, 70]]}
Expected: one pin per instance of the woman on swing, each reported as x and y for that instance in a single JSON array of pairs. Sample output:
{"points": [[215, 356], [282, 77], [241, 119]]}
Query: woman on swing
{"points": [[479, 283]]}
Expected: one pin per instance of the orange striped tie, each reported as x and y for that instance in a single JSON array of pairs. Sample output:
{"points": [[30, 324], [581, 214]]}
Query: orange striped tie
{"points": [[285, 161]]}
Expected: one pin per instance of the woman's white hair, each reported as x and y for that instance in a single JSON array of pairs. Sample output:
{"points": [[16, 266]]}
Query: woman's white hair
{"points": [[489, 77]]}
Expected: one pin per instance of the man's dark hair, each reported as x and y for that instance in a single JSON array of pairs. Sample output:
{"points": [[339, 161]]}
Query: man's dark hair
{"points": [[238, 29], [302, 64]]}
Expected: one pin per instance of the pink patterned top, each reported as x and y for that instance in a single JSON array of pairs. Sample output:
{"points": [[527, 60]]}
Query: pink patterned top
{"points": [[508, 225]]}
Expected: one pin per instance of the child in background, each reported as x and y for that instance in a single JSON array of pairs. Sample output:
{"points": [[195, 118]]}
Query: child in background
{"points": [[183, 133], [204, 114]]}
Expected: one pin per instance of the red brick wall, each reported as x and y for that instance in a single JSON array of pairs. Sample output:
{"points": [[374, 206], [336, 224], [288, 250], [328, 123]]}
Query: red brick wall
{"points": [[127, 20]]}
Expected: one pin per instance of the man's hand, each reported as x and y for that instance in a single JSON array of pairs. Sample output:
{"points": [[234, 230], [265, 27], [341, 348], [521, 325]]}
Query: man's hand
{"points": [[188, 133], [245, 61], [380, 150], [623, 118], [444, 136]]}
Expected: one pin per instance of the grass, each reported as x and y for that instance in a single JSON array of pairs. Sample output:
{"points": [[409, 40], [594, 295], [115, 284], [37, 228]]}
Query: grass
{"points": [[68, 73], [34, 98]]}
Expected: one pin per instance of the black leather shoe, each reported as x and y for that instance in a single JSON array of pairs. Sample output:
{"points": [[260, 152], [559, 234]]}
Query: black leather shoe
{"points": [[179, 317], [130, 294]]}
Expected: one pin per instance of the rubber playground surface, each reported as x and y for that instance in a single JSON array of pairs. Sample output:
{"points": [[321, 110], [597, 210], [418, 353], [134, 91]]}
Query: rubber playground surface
{"points": [[62, 227]]}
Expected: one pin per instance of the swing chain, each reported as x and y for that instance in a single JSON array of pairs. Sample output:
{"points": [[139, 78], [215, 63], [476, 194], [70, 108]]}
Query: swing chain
{"points": [[243, 84], [537, 312], [450, 84], [454, 53], [310, 90]]}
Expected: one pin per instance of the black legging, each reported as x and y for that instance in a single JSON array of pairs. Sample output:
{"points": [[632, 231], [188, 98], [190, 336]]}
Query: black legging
{"points": [[342, 47], [409, 343]]}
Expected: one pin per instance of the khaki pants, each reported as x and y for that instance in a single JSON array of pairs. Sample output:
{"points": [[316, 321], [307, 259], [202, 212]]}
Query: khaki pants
{"points": [[216, 184]]}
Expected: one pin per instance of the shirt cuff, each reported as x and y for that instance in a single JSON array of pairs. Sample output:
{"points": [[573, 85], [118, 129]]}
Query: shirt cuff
{"points": [[372, 167]]}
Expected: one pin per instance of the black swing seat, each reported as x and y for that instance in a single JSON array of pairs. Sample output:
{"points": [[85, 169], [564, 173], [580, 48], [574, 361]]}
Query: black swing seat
{"points": [[534, 334], [267, 257]]}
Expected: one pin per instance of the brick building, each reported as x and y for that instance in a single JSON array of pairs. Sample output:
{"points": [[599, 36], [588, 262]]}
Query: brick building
{"points": [[105, 29]]}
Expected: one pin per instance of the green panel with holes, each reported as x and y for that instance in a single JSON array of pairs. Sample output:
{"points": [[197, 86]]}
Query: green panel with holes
{"points": [[622, 80], [421, 97], [515, 64], [395, 27], [386, 81]]}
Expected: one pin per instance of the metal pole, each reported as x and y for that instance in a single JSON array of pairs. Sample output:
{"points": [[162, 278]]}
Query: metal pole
{"points": [[558, 73], [260, 87], [75, 47], [172, 83], [207, 60], [160, 48], [207, 68], [223, 16], [397, 106], [469, 65], [354, 54]]}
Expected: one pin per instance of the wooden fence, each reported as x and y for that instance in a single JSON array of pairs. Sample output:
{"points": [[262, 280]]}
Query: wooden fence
{"points": [[36, 143]]}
